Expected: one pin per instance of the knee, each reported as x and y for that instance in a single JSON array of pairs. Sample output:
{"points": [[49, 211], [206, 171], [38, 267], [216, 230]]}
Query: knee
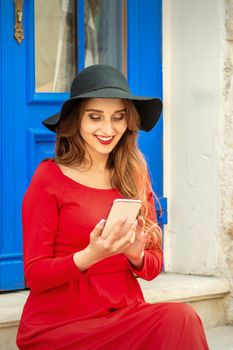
{"points": [[180, 313]]}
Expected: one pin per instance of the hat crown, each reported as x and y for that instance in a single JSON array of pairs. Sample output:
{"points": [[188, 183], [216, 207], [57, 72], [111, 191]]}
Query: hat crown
{"points": [[104, 81], [98, 76]]}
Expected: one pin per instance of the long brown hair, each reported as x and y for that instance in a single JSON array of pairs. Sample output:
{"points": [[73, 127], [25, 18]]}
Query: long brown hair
{"points": [[129, 174]]}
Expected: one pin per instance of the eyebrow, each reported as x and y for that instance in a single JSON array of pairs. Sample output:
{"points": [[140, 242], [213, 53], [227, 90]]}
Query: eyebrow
{"points": [[99, 111]]}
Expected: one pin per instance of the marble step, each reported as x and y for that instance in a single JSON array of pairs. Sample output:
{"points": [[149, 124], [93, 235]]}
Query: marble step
{"points": [[206, 294], [220, 338]]}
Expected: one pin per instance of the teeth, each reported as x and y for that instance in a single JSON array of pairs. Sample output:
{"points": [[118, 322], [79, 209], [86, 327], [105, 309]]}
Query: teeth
{"points": [[103, 138]]}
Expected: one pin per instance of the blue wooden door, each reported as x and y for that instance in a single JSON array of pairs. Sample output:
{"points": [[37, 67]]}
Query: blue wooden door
{"points": [[26, 98]]}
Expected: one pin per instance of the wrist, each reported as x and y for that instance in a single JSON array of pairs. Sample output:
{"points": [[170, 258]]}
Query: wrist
{"points": [[138, 261], [84, 259]]}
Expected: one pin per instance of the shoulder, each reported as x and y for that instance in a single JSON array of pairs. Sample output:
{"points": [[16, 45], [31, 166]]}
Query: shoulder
{"points": [[45, 190], [47, 177], [44, 169], [46, 187]]}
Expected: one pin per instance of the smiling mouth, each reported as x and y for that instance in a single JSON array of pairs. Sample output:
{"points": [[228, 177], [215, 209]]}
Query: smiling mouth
{"points": [[104, 140]]}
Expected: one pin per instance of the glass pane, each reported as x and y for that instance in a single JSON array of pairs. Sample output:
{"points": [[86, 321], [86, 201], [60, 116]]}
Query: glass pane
{"points": [[105, 33], [55, 44]]}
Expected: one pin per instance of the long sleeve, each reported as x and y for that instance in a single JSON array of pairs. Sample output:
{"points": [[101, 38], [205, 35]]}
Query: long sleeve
{"points": [[40, 224], [153, 258]]}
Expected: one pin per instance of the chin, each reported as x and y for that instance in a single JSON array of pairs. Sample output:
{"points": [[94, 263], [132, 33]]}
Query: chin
{"points": [[106, 149], [106, 152]]}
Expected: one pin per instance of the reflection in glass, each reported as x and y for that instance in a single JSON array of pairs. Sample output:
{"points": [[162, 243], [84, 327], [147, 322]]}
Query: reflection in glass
{"points": [[55, 45], [105, 33]]}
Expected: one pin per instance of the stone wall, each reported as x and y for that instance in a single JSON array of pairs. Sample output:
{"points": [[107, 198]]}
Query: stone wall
{"points": [[193, 107], [198, 137], [226, 160]]}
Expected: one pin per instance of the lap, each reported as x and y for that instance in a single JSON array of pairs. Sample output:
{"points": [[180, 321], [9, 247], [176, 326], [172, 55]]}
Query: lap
{"points": [[161, 326]]}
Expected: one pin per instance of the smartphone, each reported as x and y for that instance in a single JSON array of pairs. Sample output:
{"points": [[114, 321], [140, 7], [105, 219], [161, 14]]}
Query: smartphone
{"points": [[121, 208]]}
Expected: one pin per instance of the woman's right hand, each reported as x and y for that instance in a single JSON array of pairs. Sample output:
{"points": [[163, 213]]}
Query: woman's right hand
{"points": [[121, 237]]}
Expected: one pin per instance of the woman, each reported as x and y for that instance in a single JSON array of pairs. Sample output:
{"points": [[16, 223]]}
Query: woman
{"points": [[83, 288]]}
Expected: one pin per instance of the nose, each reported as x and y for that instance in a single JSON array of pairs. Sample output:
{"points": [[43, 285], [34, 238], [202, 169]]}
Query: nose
{"points": [[108, 127]]}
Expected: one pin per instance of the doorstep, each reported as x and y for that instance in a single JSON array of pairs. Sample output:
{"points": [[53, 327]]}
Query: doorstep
{"points": [[220, 338], [208, 296], [183, 288], [166, 287], [11, 305]]}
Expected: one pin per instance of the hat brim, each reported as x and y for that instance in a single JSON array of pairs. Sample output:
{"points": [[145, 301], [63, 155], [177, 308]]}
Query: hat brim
{"points": [[149, 108]]}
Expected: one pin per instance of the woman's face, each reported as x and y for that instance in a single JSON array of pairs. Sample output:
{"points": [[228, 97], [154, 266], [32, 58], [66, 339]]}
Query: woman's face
{"points": [[102, 124]]}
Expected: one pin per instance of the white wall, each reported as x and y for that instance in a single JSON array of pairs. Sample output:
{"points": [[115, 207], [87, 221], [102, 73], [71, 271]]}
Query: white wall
{"points": [[193, 56]]}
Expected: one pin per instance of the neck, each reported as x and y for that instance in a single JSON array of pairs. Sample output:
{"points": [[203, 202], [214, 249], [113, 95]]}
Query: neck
{"points": [[98, 163]]}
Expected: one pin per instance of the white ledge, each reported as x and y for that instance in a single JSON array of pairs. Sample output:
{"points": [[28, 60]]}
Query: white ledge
{"points": [[185, 288], [166, 287], [11, 305]]}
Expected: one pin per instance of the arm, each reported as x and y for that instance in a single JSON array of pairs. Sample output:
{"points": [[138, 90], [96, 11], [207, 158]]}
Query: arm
{"points": [[40, 213], [40, 224], [149, 264]]}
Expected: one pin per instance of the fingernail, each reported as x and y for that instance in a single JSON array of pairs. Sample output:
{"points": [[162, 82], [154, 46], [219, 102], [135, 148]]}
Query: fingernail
{"points": [[134, 223], [101, 222]]}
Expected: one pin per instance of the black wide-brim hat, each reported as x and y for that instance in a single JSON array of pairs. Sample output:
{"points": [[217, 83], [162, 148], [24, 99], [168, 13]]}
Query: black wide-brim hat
{"points": [[104, 81]]}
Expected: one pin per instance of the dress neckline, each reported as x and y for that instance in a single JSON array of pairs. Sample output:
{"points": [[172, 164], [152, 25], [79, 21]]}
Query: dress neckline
{"points": [[78, 183]]}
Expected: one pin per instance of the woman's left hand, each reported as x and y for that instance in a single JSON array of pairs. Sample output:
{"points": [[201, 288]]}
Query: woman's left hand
{"points": [[135, 252]]}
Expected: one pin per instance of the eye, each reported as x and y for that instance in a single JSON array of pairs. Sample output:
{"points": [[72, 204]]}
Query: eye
{"points": [[118, 116], [95, 116]]}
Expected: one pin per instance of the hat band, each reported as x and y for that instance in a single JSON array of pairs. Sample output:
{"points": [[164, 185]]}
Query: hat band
{"points": [[101, 88]]}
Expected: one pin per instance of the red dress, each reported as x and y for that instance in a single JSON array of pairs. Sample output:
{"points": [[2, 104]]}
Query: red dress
{"points": [[101, 308]]}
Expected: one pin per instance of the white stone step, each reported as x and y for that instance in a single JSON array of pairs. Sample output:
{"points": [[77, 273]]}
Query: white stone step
{"points": [[206, 294], [11, 305], [220, 338], [184, 288]]}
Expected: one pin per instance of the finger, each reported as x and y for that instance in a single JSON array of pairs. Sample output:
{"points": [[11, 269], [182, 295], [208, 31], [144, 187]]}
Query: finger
{"points": [[151, 228], [147, 233], [128, 225], [119, 230], [124, 243], [141, 225], [141, 221], [96, 232], [119, 224], [128, 238]]}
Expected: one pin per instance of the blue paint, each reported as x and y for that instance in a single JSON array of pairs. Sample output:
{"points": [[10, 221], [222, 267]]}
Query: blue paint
{"points": [[145, 78], [41, 145], [1, 145], [11, 263], [81, 36]]}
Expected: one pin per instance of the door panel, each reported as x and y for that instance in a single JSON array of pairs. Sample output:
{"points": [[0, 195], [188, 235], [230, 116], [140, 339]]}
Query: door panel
{"points": [[145, 74], [12, 184], [26, 99]]}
